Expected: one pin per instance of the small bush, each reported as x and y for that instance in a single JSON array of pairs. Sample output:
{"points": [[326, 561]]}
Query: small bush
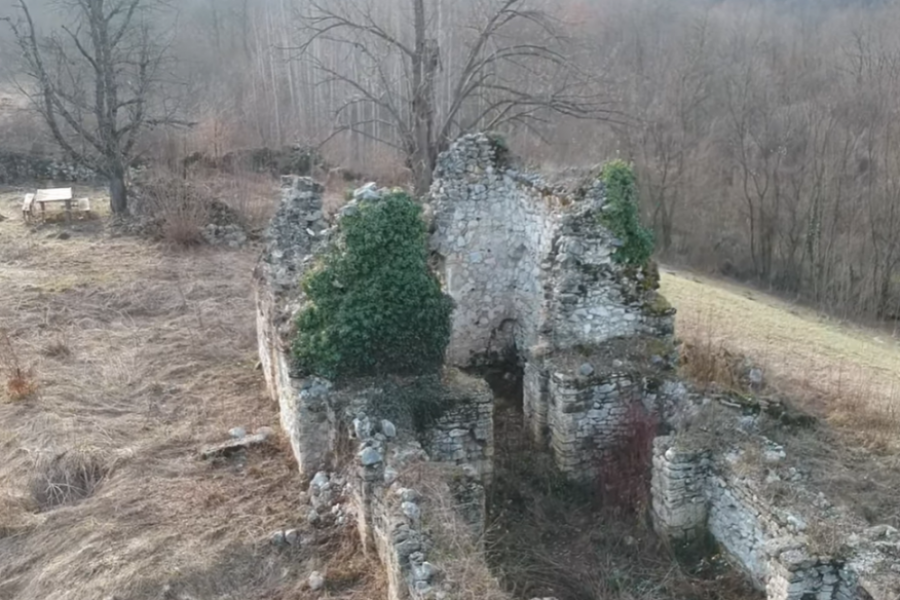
{"points": [[20, 381], [621, 215], [374, 307], [68, 477], [624, 474], [179, 206]]}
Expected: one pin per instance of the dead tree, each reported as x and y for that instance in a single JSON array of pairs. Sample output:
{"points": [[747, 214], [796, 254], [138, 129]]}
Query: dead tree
{"points": [[92, 83], [510, 68]]}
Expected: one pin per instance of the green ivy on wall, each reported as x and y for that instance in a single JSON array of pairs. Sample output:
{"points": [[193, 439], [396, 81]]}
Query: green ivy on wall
{"points": [[374, 307], [621, 214]]}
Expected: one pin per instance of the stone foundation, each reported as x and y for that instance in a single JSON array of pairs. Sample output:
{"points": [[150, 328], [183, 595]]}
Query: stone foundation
{"points": [[695, 494]]}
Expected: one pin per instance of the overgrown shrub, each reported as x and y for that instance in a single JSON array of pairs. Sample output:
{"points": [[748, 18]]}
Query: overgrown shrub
{"points": [[374, 307], [624, 474], [621, 214]]}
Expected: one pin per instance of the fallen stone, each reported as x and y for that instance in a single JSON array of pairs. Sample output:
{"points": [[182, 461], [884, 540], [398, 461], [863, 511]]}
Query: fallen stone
{"points": [[369, 457], [319, 481], [388, 429], [231, 447], [366, 192], [277, 538], [316, 581], [586, 370], [362, 427], [755, 377], [423, 572], [390, 475], [313, 517], [407, 495], [237, 432], [411, 510], [292, 537]]}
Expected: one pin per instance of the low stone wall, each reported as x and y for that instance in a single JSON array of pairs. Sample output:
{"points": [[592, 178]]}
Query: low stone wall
{"points": [[392, 509], [26, 168], [290, 241], [389, 457], [695, 493]]}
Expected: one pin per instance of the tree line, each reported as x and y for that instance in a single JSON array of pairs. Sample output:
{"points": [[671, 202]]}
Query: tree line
{"points": [[764, 134]]}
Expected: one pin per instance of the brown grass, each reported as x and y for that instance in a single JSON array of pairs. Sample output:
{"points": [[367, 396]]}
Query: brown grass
{"points": [[849, 375], [552, 538], [457, 550], [101, 491]]}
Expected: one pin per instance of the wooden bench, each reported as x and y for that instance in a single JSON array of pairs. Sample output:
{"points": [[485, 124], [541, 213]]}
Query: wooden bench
{"points": [[28, 208]]}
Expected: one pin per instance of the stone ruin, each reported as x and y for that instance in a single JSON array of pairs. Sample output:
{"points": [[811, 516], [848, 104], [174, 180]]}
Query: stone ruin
{"points": [[536, 285], [533, 276]]}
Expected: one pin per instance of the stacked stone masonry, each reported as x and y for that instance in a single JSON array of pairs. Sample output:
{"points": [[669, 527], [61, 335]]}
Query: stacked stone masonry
{"points": [[317, 416], [290, 241], [532, 272], [17, 168], [391, 512], [695, 494]]}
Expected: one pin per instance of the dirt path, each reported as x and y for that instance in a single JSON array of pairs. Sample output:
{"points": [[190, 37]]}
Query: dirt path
{"points": [[141, 356]]}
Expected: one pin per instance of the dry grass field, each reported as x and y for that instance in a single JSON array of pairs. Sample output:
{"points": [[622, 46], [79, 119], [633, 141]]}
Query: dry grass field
{"points": [[120, 359], [848, 376]]}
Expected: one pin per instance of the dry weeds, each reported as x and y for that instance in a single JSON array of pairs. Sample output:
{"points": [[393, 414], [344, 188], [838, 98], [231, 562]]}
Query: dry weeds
{"points": [[20, 382], [849, 376], [160, 361], [551, 538], [457, 549]]}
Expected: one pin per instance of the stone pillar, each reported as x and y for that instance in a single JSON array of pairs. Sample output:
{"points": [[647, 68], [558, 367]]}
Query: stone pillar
{"points": [[535, 401], [679, 505]]}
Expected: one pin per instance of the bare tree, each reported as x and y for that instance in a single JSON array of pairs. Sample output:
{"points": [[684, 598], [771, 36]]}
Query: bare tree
{"points": [[515, 68], [93, 82]]}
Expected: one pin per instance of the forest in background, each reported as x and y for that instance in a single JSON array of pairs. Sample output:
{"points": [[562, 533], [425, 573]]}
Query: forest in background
{"points": [[764, 133]]}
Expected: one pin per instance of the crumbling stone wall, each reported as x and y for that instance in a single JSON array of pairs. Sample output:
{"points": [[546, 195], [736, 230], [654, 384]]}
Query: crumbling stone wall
{"points": [[392, 512], [527, 263], [22, 168], [318, 417], [532, 272], [290, 241], [695, 493]]}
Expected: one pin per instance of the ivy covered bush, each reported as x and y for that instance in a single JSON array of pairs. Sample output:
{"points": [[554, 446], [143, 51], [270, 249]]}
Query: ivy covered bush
{"points": [[374, 307], [621, 214]]}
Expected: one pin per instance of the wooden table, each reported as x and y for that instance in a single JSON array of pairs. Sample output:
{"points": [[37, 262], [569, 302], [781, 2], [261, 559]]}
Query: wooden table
{"points": [[55, 195]]}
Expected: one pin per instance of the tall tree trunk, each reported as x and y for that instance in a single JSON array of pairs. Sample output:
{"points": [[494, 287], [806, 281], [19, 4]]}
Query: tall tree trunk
{"points": [[118, 193], [425, 64]]}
